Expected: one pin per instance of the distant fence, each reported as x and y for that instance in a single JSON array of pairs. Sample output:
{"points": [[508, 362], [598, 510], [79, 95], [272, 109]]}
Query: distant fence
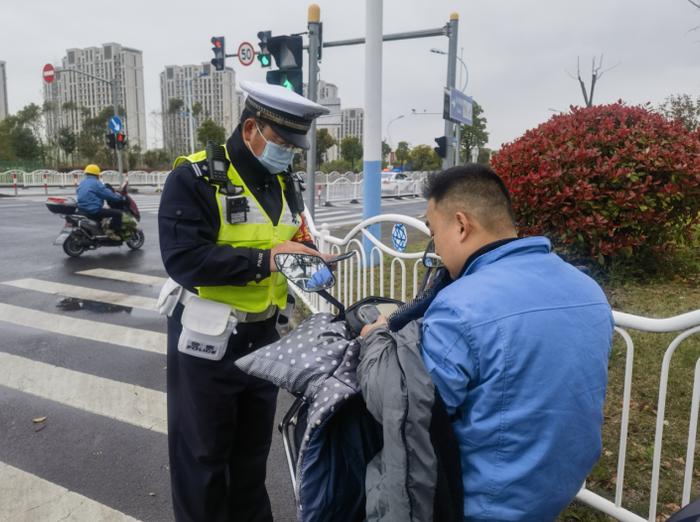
{"points": [[19, 179], [336, 187], [329, 188]]}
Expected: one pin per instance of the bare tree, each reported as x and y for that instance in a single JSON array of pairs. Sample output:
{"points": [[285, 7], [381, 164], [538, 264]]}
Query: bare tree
{"points": [[696, 4], [596, 74]]}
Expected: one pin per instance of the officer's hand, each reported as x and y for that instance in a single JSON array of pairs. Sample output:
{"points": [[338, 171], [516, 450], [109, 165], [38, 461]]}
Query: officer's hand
{"points": [[292, 247], [366, 329]]}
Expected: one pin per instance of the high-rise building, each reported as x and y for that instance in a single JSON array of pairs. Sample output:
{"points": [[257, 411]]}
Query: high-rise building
{"points": [[73, 97], [210, 94], [352, 123], [240, 101], [328, 97], [4, 111]]}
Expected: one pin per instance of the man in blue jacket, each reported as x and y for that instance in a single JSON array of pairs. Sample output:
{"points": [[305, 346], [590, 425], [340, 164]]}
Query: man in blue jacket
{"points": [[517, 346], [92, 194]]}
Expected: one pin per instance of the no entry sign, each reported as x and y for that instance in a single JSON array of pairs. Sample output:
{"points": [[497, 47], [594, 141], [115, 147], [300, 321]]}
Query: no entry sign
{"points": [[49, 73]]}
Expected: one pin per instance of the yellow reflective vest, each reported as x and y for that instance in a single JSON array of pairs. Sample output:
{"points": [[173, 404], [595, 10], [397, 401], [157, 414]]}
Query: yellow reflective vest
{"points": [[257, 231]]}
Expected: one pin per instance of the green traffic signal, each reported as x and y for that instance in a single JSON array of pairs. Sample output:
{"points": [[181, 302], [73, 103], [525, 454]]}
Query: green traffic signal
{"points": [[287, 84], [264, 60]]}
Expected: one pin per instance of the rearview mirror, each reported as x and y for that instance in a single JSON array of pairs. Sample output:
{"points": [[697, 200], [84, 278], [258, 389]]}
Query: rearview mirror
{"points": [[308, 272]]}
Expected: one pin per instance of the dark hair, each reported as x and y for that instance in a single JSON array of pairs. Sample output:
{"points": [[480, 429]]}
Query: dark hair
{"points": [[474, 189]]}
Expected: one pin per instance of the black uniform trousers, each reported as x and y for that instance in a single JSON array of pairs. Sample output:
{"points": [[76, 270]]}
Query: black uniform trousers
{"points": [[220, 424]]}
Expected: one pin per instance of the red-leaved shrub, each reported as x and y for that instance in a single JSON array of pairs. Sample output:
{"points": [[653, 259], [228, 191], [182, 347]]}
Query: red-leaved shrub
{"points": [[605, 182]]}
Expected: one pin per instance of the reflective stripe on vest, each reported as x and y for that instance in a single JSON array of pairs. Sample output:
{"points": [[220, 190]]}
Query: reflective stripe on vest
{"points": [[257, 232]]}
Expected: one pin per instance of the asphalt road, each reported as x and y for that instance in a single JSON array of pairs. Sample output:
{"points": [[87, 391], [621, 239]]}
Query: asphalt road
{"points": [[82, 373]]}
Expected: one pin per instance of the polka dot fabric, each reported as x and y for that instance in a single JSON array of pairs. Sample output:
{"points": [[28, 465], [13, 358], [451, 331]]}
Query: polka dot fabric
{"points": [[316, 360]]}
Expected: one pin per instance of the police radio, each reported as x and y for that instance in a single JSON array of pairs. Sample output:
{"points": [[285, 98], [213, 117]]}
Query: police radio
{"points": [[294, 186], [217, 162]]}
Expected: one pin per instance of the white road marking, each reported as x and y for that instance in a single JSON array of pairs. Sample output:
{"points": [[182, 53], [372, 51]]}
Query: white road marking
{"points": [[136, 338], [81, 292], [129, 277], [333, 213], [128, 403], [27, 498], [340, 218]]}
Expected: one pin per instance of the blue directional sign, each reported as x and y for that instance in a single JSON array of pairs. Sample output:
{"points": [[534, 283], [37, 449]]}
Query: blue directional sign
{"points": [[458, 107], [115, 124], [399, 237]]}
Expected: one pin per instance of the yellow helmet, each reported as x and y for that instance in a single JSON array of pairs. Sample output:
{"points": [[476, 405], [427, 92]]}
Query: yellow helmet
{"points": [[92, 169]]}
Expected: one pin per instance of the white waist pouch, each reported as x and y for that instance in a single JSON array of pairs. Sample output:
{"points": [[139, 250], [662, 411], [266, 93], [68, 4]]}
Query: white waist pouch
{"points": [[206, 328]]}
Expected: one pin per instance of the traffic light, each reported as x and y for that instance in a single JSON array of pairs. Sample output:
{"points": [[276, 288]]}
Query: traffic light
{"points": [[120, 140], [441, 149], [292, 80], [287, 52], [264, 54], [110, 141], [219, 50]]}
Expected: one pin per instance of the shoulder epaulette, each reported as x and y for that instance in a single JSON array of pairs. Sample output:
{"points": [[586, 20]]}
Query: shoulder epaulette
{"points": [[200, 169]]}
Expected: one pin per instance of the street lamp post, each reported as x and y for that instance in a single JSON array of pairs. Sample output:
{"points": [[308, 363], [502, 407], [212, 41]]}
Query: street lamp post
{"points": [[464, 66], [388, 128]]}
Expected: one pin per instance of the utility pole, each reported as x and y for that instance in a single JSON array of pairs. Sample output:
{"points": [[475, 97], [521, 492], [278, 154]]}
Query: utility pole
{"points": [[314, 47], [452, 28]]}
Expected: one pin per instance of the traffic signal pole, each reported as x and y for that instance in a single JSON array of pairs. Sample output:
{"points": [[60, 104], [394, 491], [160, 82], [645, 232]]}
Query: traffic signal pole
{"points": [[452, 28], [314, 46], [113, 87], [373, 97]]}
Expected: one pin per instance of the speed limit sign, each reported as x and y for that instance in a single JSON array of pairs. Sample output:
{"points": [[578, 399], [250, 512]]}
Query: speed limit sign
{"points": [[246, 53]]}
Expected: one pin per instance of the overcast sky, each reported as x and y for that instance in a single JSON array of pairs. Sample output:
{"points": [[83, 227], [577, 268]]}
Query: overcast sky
{"points": [[518, 51]]}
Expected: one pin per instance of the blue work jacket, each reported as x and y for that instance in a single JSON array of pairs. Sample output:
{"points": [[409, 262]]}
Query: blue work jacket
{"points": [[518, 349], [92, 193]]}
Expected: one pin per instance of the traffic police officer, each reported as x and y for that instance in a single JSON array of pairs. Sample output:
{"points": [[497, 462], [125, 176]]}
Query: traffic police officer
{"points": [[224, 213]]}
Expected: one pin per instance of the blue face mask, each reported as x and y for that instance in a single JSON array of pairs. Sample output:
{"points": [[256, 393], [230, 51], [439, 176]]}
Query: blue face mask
{"points": [[275, 158]]}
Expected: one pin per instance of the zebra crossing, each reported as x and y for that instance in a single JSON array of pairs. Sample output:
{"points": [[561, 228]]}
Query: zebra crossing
{"points": [[83, 417], [63, 390]]}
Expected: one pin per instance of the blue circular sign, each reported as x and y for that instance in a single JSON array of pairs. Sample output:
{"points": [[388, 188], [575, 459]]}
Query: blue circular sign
{"points": [[399, 237]]}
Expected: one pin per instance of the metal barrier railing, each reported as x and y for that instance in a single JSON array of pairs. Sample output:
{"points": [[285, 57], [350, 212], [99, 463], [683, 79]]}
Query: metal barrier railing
{"points": [[354, 281], [330, 188], [50, 178]]}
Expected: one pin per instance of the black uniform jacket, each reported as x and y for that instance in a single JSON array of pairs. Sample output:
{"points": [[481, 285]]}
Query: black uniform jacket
{"points": [[188, 224]]}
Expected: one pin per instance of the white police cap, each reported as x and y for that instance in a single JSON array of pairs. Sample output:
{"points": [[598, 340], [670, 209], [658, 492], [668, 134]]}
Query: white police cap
{"points": [[289, 114]]}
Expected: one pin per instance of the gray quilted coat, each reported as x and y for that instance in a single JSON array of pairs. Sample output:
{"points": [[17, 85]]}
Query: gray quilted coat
{"points": [[401, 479]]}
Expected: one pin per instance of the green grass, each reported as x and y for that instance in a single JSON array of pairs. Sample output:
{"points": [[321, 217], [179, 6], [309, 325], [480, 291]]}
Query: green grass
{"points": [[659, 298]]}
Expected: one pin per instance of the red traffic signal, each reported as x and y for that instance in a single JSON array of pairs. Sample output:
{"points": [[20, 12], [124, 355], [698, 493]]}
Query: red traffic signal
{"points": [[120, 139], [219, 50]]}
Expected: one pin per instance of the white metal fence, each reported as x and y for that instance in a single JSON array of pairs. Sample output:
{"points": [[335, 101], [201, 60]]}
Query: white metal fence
{"points": [[19, 179], [405, 269], [329, 188], [335, 187]]}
